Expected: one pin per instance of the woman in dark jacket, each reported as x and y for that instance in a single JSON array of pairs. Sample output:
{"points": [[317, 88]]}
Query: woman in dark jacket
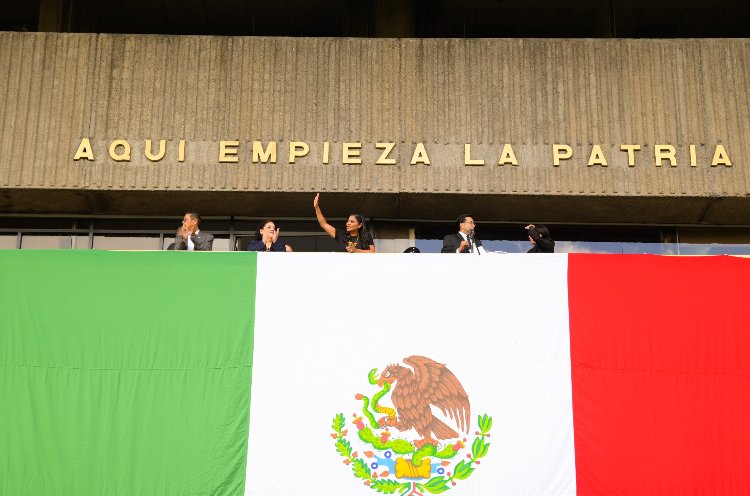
{"points": [[539, 237], [267, 238]]}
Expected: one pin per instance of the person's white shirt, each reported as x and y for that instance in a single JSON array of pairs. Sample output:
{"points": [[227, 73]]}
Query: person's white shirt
{"points": [[190, 244], [472, 247]]}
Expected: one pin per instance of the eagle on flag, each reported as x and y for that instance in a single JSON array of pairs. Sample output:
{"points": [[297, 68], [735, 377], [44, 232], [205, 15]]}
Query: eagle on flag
{"points": [[414, 391]]}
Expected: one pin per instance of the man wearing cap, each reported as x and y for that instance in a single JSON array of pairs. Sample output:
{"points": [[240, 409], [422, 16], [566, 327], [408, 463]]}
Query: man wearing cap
{"points": [[463, 241]]}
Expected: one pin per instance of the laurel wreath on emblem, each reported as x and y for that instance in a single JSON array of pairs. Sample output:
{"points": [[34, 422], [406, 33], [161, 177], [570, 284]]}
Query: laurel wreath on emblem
{"points": [[392, 465]]}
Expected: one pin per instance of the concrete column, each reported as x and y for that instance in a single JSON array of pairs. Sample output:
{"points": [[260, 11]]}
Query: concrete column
{"points": [[391, 237], [50, 16], [394, 18]]}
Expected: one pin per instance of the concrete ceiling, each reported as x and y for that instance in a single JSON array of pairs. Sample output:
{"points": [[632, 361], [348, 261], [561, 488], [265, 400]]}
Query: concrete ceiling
{"points": [[431, 18], [697, 211]]}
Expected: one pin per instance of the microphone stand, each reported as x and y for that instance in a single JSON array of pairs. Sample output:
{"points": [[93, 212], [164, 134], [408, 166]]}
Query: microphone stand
{"points": [[471, 241]]}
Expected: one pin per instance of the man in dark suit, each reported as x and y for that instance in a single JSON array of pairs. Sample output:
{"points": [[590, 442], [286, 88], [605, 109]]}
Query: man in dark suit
{"points": [[463, 241], [190, 237]]}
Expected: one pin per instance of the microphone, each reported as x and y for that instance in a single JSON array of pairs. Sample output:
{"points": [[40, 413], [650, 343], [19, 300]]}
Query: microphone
{"points": [[471, 241]]}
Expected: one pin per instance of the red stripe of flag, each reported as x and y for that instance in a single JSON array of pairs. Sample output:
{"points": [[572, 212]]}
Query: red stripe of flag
{"points": [[660, 357]]}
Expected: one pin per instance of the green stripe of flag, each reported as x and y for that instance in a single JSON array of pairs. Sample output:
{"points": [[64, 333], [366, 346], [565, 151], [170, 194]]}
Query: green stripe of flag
{"points": [[125, 373]]}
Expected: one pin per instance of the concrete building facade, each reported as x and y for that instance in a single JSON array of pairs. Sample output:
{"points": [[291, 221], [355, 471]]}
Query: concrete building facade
{"points": [[408, 131]]}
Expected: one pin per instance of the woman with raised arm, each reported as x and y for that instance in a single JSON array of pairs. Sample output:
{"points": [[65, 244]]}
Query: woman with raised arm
{"points": [[354, 239], [539, 237], [267, 238]]}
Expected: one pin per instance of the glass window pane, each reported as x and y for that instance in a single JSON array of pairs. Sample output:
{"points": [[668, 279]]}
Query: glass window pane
{"points": [[45, 242], [8, 241], [504, 246], [52, 223], [136, 224], [221, 244], [81, 242], [514, 246], [429, 245], [615, 247], [102, 242], [714, 249], [322, 243]]}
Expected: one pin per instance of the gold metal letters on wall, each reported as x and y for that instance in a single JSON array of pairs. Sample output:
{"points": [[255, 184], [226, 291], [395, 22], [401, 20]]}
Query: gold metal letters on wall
{"points": [[392, 153]]}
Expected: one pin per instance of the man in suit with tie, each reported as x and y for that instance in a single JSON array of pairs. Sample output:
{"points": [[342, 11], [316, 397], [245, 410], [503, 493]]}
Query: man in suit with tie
{"points": [[190, 237], [463, 241]]}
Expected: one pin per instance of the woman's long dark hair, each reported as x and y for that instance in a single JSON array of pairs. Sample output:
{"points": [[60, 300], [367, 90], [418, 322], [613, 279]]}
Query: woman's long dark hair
{"points": [[542, 229], [362, 229]]}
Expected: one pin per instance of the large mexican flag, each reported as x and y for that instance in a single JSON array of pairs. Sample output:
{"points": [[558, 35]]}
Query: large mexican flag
{"points": [[302, 374]]}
